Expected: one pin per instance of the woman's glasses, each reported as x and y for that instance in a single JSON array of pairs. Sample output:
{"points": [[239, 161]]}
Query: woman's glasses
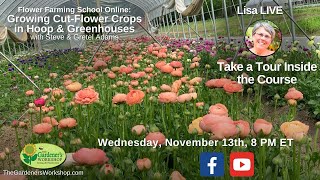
{"points": [[262, 35]]}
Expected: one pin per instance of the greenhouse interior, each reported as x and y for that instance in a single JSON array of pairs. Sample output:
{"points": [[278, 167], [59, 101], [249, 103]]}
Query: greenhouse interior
{"points": [[160, 89]]}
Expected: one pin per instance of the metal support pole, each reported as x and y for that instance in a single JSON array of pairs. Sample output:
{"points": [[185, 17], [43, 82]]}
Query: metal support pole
{"points": [[195, 23], [214, 23], [189, 27], [226, 18], [184, 34], [175, 16], [167, 22], [241, 17], [163, 22], [204, 23], [293, 31], [174, 33], [9, 47], [14, 47], [19, 48]]}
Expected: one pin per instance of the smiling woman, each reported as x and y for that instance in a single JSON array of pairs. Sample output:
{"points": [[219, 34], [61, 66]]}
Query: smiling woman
{"points": [[261, 38]]}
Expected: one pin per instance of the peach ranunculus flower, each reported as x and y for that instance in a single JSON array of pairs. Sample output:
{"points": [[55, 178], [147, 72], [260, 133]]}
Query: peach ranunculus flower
{"points": [[244, 128], [29, 93], [176, 64], [176, 73], [50, 120], [86, 96], [86, 156], [184, 98], [53, 75], [47, 90], [293, 94], [107, 169], [159, 64], [294, 129], [138, 129], [67, 82], [175, 175], [218, 109], [166, 68], [223, 129], [261, 125], [144, 164], [212, 119], [167, 97], [57, 93], [67, 123], [233, 87], [200, 104], [111, 75], [99, 65], [176, 86], [165, 87], [134, 97], [74, 87], [156, 137], [218, 83], [134, 83], [195, 80], [42, 128], [194, 126], [119, 98]]}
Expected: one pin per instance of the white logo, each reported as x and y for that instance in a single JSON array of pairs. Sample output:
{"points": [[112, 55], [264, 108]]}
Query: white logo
{"points": [[241, 164], [211, 164]]}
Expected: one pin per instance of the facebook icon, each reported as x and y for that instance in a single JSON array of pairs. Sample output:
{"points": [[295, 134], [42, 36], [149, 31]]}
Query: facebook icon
{"points": [[211, 164]]}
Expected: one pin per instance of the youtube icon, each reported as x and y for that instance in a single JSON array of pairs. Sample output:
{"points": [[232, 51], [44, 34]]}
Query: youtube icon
{"points": [[241, 164]]}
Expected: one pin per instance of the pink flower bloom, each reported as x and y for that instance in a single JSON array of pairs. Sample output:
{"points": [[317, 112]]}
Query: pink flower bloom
{"points": [[293, 94], [223, 129], [42, 128], [143, 164], [159, 64], [244, 128], [86, 156], [212, 119], [111, 75], [107, 169], [86, 96], [233, 87], [119, 98], [156, 136], [99, 65], [134, 97], [138, 129], [29, 93], [165, 87], [176, 73], [184, 98], [67, 123], [261, 125], [47, 90], [166, 68], [39, 102], [199, 104], [218, 109], [176, 64], [167, 97], [175, 175], [50, 120]]}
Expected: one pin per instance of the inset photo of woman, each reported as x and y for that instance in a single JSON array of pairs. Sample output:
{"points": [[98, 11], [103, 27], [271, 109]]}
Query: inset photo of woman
{"points": [[263, 38]]}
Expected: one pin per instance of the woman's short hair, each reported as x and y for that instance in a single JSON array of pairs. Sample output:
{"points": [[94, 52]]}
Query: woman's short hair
{"points": [[266, 26]]}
